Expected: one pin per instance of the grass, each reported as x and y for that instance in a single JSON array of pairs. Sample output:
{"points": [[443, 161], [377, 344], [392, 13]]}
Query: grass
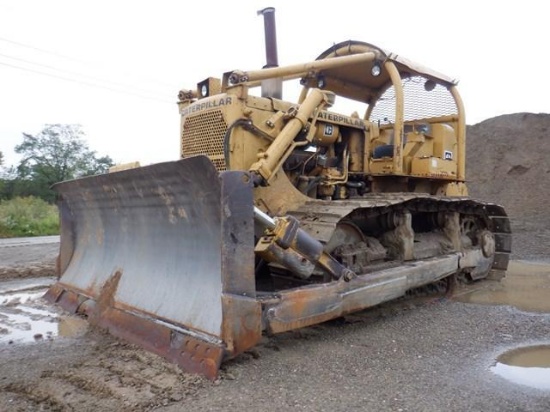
{"points": [[28, 216]]}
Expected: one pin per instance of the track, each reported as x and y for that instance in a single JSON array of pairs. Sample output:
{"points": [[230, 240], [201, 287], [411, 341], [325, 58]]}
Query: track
{"points": [[320, 218]]}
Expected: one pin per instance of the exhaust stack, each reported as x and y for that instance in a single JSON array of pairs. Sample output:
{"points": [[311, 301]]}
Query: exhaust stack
{"points": [[271, 87]]}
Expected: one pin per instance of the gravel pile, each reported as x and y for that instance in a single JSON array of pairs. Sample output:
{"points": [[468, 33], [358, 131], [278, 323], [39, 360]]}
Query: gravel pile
{"points": [[508, 162]]}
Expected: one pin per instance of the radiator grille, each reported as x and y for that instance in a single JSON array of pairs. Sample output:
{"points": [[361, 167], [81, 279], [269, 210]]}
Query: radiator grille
{"points": [[203, 135]]}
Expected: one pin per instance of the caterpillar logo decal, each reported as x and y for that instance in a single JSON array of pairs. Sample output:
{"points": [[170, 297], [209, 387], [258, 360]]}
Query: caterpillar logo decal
{"points": [[341, 120], [208, 104]]}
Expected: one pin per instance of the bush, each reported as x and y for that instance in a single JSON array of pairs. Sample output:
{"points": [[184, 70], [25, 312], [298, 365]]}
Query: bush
{"points": [[28, 216]]}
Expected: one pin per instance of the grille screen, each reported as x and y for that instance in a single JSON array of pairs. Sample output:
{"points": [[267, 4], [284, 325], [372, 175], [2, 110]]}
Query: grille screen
{"points": [[419, 103], [203, 135]]}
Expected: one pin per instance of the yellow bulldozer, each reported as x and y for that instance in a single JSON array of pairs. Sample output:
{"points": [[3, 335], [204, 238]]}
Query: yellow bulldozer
{"points": [[280, 214]]}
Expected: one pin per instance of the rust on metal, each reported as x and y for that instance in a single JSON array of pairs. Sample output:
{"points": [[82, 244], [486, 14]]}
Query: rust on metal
{"points": [[242, 313], [242, 323], [106, 298], [310, 305], [191, 354], [67, 299]]}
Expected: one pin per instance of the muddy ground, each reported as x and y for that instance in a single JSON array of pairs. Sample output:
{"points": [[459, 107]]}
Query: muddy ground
{"points": [[429, 353]]}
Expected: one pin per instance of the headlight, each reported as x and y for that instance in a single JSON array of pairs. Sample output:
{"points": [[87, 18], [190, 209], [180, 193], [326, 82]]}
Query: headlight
{"points": [[376, 69]]}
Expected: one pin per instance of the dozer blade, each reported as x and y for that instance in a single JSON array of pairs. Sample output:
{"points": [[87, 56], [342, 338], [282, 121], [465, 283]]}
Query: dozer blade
{"points": [[163, 256]]}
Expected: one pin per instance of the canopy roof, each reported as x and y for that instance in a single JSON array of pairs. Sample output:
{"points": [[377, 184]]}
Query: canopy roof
{"points": [[356, 82]]}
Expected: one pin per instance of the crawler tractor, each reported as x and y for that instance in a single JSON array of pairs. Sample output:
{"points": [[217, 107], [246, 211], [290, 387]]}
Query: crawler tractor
{"points": [[281, 214]]}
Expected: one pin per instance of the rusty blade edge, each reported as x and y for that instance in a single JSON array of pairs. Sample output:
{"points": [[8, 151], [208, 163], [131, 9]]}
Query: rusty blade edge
{"points": [[75, 299], [190, 353]]}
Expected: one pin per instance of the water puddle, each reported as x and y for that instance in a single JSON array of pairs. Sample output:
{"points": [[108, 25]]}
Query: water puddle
{"points": [[526, 287], [529, 366], [26, 317]]}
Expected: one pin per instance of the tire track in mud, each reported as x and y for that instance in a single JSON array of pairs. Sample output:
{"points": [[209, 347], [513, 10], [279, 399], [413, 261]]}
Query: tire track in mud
{"points": [[113, 376]]}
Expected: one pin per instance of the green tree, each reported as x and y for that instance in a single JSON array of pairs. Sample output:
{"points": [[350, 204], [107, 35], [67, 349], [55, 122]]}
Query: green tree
{"points": [[59, 152]]}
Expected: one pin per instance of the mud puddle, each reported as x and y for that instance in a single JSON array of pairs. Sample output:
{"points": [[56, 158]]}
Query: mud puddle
{"points": [[526, 287], [26, 317], [528, 366]]}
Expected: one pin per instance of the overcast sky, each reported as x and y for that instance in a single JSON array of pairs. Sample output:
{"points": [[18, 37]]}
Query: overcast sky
{"points": [[115, 66]]}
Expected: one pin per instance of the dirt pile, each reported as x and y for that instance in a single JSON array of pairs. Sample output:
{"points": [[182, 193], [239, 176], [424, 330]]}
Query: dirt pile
{"points": [[508, 162]]}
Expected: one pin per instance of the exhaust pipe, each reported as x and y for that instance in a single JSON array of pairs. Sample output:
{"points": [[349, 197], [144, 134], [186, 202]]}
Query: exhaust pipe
{"points": [[272, 88], [270, 37]]}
